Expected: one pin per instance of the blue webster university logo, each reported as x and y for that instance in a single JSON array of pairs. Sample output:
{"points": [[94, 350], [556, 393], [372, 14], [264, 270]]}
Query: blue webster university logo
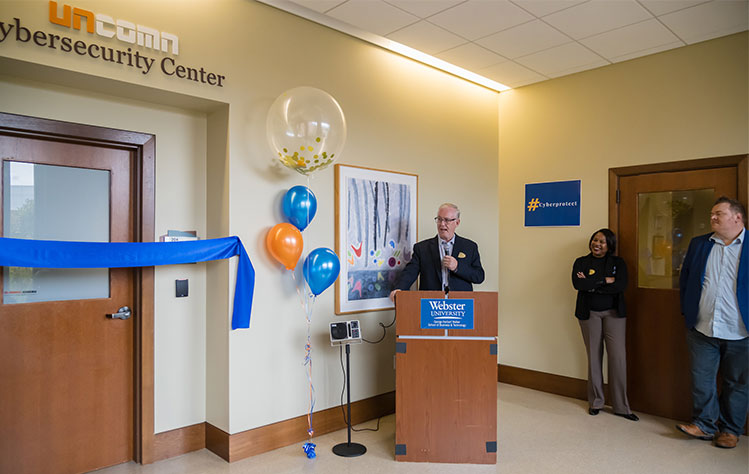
{"points": [[446, 313]]}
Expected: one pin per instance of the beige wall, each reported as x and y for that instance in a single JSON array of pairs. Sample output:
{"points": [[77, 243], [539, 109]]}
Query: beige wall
{"points": [[401, 116], [677, 105]]}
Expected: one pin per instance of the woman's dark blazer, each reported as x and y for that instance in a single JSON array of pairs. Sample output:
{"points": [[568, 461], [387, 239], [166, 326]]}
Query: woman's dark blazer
{"points": [[596, 283]]}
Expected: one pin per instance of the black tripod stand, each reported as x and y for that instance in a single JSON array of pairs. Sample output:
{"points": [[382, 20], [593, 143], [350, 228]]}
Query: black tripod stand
{"points": [[349, 449]]}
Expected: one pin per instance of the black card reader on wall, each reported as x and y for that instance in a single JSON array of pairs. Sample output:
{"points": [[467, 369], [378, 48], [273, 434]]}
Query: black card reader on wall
{"points": [[181, 288]]}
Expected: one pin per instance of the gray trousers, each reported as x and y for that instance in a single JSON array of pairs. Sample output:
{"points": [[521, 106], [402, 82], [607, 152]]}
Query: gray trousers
{"points": [[605, 326]]}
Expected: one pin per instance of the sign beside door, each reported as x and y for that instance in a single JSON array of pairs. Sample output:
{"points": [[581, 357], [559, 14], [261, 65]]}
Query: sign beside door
{"points": [[552, 204]]}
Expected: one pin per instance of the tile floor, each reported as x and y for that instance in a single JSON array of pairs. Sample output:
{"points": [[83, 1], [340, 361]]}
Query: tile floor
{"points": [[538, 433]]}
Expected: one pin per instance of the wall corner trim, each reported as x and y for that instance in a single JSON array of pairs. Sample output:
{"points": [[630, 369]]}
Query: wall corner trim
{"points": [[544, 382], [266, 438]]}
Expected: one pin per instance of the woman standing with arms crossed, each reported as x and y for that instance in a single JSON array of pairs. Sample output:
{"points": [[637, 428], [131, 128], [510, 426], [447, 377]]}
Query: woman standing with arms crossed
{"points": [[600, 279]]}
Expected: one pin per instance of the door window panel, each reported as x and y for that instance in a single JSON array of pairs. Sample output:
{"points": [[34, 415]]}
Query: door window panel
{"points": [[667, 221], [47, 202]]}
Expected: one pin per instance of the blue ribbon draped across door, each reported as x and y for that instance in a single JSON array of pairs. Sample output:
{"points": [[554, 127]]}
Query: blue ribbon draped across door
{"points": [[57, 254]]}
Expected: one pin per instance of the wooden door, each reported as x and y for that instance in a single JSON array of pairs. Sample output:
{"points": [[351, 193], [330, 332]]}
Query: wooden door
{"points": [[659, 213], [67, 398]]}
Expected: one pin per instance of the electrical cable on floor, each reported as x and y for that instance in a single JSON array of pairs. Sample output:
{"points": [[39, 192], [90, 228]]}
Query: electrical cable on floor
{"points": [[343, 412]]}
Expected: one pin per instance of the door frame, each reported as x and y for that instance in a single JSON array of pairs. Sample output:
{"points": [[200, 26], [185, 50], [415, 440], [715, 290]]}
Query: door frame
{"points": [[143, 148], [740, 162]]}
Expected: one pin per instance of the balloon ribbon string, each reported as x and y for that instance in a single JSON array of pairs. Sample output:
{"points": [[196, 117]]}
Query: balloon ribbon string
{"points": [[308, 363], [307, 301], [308, 210], [308, 304], [299, 293], [310, 301]]}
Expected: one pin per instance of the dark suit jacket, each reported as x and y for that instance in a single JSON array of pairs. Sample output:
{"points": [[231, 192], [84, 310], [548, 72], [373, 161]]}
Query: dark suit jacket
{"points": [[693, 273], [425, 262], [589, 285]]}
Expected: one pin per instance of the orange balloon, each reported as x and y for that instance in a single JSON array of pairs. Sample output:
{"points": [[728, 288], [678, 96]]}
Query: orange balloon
{"points": [[285, 244]]}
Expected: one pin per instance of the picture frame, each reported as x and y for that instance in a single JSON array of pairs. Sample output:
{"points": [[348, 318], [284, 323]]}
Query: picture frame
{"points": [[376, 228]]}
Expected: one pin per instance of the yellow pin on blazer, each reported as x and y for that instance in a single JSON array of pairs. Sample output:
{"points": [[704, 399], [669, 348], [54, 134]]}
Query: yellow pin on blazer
{"points": [[461, 255], [591, 271]]}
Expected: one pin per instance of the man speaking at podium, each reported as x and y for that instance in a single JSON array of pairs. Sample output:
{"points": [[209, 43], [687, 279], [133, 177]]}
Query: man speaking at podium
{"points": [[446, 261]]}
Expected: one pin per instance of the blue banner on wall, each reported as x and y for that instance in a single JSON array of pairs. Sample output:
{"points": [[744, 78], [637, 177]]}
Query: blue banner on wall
{"points": [[552, 204], [446, 313]]}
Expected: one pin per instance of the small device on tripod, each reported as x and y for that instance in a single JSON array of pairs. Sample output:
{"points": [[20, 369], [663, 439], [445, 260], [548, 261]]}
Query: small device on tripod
{"points": [[347, 332]]}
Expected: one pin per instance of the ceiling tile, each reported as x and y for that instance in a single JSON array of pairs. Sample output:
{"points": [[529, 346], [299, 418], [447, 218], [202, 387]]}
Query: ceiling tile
{"points": [[511, 74], [646, 52], [374, 16], [476, 18], [629, 39], [527, 82], [427, 38], [582, 67], [597, 16], [660, 7], [560, 58], [423, 8], [708, 20], [544, 7], [471, 56], [318, 5], [524, 39]]}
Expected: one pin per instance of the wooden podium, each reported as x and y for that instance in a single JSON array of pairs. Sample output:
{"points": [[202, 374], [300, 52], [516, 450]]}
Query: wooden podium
{"points": [[446, 383]]}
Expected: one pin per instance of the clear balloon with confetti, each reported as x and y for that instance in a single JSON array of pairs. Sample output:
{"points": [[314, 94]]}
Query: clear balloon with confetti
{"points": [[306, 129]]}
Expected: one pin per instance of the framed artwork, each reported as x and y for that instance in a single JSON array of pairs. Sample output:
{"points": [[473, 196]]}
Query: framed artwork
{"points": [[375, 218]]}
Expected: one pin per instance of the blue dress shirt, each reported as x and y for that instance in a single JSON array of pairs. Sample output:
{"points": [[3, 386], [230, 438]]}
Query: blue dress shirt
{"points": [[718, 314]]}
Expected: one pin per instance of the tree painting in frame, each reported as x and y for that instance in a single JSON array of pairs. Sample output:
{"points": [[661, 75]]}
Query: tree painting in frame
{"points": [[375, 233]]}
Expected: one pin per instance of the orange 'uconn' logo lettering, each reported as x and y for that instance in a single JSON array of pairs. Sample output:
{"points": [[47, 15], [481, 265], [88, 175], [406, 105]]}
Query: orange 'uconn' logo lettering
{"points": [[104, 25], [77, 14]]}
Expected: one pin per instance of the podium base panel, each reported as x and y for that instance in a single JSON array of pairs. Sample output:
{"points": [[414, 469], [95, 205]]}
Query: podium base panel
{"points": [[446, 402]]}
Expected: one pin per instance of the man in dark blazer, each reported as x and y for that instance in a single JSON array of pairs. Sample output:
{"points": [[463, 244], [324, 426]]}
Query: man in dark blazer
{"points": [[714, 290], [446, 262]]}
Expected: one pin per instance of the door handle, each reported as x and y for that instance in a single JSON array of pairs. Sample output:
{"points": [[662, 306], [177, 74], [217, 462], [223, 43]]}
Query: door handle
{"points": [[122, 313]]}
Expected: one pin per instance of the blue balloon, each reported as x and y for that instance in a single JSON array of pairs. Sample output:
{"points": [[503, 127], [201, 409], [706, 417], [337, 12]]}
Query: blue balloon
{"points": [[321, 268], [300, 206]]}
